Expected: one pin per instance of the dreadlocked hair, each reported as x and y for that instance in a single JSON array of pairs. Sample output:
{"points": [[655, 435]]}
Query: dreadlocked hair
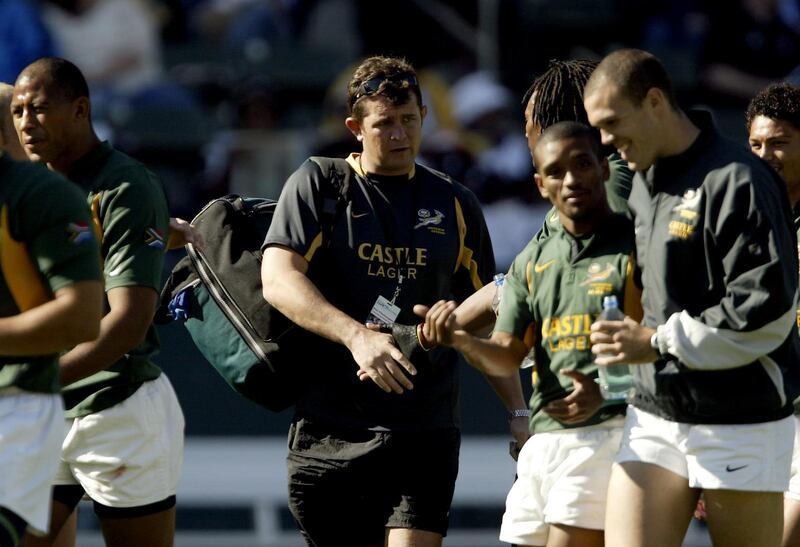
{"points": [[559, 93]]}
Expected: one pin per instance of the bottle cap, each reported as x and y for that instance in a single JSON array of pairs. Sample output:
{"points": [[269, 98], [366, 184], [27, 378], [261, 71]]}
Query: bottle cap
{"points": [[610, 302]]}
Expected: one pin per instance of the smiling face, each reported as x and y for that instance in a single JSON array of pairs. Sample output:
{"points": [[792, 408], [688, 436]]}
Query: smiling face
{"points": [[571, 175], [778, 143], [630, 128], [44, 120], [390, 134]]}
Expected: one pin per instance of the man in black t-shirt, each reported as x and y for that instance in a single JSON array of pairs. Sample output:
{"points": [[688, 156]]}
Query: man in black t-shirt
{"points": [[373, 448]]}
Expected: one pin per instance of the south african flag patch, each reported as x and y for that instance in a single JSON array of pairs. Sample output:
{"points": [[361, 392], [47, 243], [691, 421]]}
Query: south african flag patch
{"points": [[153, 238], [79, 232]]}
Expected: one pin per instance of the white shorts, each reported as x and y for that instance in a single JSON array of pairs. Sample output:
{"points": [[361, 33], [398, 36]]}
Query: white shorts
{"points": [[562, 478], [794, 482], [130, 454], [31, 429], [749, 457]]}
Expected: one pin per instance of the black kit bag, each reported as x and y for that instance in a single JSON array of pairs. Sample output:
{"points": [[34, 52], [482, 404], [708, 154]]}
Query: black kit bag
{"points": [[217, 294]]}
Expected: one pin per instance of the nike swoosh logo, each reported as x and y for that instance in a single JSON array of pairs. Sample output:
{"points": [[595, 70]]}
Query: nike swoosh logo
{"points": [[730, 469], [358, 215], [539, 268]]}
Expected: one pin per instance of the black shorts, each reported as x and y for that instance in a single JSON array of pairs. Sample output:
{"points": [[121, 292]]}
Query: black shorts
{"points": [[348, 486]]}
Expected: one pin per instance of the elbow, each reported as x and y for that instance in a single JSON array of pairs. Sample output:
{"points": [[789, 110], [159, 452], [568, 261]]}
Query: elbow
{"points": [[83, 333], [269, 288], [85, 326], [83, 313]]}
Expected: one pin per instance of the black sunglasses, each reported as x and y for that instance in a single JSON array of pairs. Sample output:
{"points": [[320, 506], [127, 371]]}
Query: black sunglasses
{"points": [[371, 86]]}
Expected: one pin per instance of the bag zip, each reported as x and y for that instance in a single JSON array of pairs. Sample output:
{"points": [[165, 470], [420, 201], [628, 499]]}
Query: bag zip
{"points": [[225, 302]]}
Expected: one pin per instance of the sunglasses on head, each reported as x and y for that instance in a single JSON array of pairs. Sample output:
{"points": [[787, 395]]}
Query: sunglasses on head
{"points": [[371, 86]]}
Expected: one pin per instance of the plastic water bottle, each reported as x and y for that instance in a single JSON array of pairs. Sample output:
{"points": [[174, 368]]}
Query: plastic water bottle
{"points": [[530, 359], [499, 282], [616, 381]]}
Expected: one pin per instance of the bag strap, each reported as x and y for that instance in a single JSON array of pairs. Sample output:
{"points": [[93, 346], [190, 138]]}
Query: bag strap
{"points": [[336, 195]]}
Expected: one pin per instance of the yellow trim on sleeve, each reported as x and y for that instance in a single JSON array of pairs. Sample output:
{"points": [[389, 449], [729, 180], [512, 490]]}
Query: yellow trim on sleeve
{"points": [[21, 276], [313, 248], [97, 224], [465, 253], [632, 306]]}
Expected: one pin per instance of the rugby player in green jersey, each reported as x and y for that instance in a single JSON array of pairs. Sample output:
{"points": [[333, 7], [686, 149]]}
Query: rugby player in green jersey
{"points": [[553, 293], [773, 126], [50, 300], [125, 428], [9, 143], [554, 96]]}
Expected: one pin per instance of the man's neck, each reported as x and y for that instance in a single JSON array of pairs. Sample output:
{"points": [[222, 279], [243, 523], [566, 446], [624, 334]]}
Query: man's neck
{"points": [[585, 226], [82, 146], [370, 167], [679, 134]]}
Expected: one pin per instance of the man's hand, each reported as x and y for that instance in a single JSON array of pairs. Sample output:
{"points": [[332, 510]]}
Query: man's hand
{"points": [[381, 361], [440, 322], [520, 431], [581, 404], [626, 340], [181, 233]]}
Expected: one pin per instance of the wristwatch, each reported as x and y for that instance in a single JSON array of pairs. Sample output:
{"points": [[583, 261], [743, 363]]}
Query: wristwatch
{"points": [[519, 413]]}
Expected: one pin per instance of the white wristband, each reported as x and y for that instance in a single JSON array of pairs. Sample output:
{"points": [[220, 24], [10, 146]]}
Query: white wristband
{"points": [[519, 413]]}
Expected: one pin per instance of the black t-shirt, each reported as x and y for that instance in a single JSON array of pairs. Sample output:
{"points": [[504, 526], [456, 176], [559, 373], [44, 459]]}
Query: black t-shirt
{"points": [[425, 228]]}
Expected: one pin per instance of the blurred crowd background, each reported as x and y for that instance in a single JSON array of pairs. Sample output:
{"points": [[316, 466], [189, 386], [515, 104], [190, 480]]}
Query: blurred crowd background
{"points": [[222, 96]]}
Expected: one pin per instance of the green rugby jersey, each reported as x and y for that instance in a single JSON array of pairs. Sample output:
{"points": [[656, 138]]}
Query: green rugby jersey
{"points": [[553, 293], [46, 244], [130, 214]]}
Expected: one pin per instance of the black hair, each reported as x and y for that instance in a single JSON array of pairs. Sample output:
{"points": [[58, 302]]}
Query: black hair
{"points": [[570, 130], [559, 92], [67, 78], [778, 102]]}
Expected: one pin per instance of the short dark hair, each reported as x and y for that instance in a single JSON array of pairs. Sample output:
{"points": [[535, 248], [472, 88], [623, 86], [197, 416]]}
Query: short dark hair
{"points": [[559, 92], [397, 80], [68, 79], [778, 102], [570, 130], [636, 72]]}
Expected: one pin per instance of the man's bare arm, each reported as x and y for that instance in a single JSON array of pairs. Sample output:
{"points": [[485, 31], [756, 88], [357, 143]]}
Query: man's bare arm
{"points": [[121, 329], [288, 289], [72, 317]]}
